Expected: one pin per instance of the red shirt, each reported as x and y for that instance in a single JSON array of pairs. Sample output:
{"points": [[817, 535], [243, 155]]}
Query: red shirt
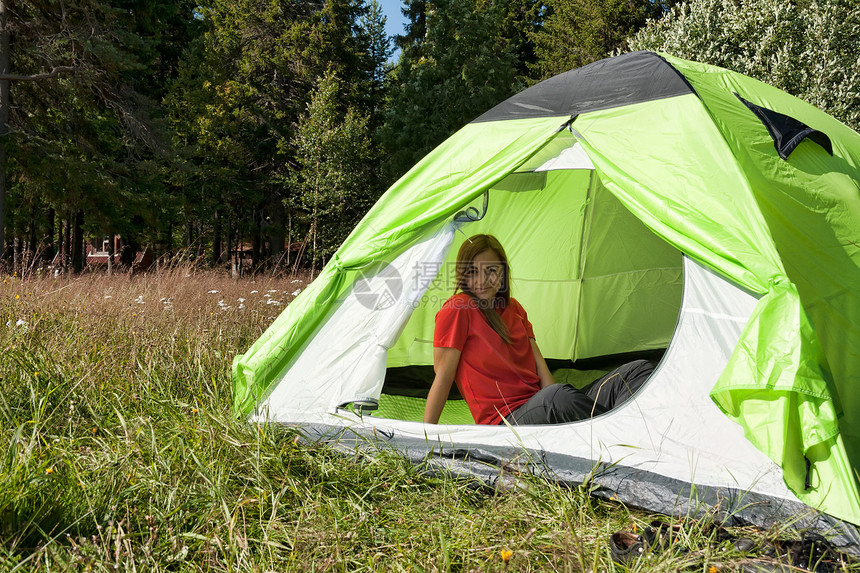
{"points": [[494, 377]]}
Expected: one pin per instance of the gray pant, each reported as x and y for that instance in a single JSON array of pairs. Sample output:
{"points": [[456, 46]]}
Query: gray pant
{"points": [[562, 403]]}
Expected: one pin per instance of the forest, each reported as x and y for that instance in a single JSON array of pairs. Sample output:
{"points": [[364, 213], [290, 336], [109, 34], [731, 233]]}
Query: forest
{"points": [[256, 133]]}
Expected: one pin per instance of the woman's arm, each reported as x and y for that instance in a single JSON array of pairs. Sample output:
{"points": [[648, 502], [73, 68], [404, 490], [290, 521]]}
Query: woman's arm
{"points": [[546, 378], [445, 361]]}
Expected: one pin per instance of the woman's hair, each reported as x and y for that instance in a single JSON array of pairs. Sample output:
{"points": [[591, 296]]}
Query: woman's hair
{"points": [[470, 249]]}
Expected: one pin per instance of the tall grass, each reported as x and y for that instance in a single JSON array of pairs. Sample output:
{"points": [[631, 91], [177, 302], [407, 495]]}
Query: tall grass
{"points": [[118, 452]]}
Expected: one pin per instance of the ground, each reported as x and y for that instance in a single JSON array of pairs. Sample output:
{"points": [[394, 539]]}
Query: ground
{"points": [[120, 452]]}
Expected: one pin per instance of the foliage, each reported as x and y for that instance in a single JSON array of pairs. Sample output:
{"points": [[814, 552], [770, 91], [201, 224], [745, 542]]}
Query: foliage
{"points": [[98, 121], [811, 51], [578, 32], [458, 69], [239, 97], [187, 123], [335, 176]]}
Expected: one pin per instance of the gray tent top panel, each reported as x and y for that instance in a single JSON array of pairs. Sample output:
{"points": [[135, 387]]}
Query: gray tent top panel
{"points": [[614, 82]]}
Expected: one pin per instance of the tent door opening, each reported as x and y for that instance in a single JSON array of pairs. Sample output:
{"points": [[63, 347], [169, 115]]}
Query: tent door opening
{"points": [[599, 287]]}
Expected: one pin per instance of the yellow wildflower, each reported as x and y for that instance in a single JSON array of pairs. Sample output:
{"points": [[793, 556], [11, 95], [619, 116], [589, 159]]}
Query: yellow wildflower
{"points": [[506, 555], [49, 470], [712, 569]]}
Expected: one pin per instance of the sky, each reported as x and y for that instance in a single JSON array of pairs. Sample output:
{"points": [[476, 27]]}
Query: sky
{"points": [[395, 20]]}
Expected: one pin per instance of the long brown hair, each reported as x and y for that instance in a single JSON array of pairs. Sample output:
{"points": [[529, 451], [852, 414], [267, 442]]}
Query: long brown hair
{"points": [[470, 249]]}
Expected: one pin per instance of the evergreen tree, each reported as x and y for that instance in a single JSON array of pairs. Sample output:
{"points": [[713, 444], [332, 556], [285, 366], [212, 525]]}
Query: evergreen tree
{"points": [[458, 69], [232, 107], [237, 104], [578, 32], [335, 175], [81, 107], [415, 28], [378, 47]]}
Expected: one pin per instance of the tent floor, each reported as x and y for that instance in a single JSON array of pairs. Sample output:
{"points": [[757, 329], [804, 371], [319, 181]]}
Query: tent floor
{"points": [[405, 390], [456, 411]]}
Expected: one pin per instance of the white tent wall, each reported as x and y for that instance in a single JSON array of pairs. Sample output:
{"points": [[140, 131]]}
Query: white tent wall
{"points": [[345, 359]]}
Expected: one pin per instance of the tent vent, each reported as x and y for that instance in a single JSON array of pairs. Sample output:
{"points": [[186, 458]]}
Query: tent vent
{"points": [[787, 132], [361, 406], [470, 214]]}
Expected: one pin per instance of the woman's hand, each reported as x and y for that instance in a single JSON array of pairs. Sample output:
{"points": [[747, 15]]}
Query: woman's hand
{"points": [[546, 378], [445, 361]]}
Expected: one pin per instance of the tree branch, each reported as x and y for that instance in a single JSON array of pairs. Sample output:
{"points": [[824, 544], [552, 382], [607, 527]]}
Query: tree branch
{"points": [[44, 76]]}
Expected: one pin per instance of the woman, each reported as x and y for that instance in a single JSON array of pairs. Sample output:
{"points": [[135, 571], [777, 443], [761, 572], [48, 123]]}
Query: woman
{"points": [[484, 341]]}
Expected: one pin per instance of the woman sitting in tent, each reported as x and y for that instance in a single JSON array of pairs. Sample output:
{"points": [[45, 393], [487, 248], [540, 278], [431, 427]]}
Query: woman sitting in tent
{"points": [[484, 341]]}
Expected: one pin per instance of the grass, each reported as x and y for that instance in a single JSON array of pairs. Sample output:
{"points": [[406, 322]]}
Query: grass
{"points": [[118, 452]]}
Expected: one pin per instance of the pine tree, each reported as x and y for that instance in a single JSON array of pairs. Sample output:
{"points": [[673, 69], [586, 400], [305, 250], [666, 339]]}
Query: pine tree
{"points": [[458, 69], [335, 174], [82, 107], [578, 32]]}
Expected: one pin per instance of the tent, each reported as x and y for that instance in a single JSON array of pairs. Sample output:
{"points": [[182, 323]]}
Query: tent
{"points": [[650, 206]]}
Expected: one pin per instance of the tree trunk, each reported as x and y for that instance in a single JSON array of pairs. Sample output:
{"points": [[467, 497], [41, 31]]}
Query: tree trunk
{"points": [[314, 232], [256, 239], [232, 252], [276, 232], [66, 245], [110, 255], [78, 243], [289, 236], [216, 240], [4, 117], [168, 243], [50, 247], [34, 224]]}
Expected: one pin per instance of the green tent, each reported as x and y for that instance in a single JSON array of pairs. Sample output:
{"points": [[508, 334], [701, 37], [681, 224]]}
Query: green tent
{"points": [[649, 206]]}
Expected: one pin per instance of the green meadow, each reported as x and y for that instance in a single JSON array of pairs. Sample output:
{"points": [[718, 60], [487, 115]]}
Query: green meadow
{"points": [[119, 452]]}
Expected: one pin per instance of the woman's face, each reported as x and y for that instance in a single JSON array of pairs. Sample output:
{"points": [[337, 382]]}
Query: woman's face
{"points": [[484, 275]]}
